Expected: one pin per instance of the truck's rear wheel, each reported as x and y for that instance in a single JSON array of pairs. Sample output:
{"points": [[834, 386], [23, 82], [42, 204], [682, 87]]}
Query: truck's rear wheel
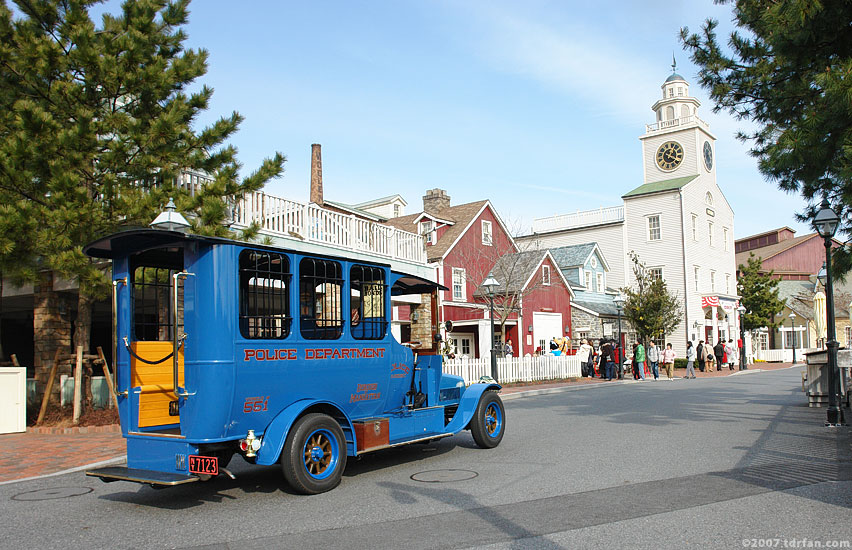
{"points": [[314, 454], [489, 421]]}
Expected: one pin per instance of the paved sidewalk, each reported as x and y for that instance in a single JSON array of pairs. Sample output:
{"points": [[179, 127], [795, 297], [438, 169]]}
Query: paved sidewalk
{"points": [[35, 454]]}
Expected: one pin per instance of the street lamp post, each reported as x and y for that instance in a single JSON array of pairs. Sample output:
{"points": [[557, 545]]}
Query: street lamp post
{"points": [[491, 285], [826, 222], [619, 304], [792, 317], [743, 364]]}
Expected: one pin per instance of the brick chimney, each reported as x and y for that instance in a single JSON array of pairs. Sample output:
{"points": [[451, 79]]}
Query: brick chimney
{"points": [[435, 200], [316, 174]]}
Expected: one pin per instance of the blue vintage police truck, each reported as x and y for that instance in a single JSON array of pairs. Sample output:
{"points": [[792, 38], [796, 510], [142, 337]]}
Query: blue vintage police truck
{"points": [[282, 354]]}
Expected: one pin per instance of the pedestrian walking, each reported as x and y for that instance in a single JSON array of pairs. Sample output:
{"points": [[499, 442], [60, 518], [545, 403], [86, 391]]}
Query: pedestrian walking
{"points": [[690, 360], [584, 354], [653, 356], [608, 359], [731, 353], [668, 361], [509, 350], [699, 355], [639, 358], [719, 352]]}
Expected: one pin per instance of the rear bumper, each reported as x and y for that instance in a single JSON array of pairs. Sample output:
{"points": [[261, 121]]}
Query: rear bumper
{"points": [[136, 475]]}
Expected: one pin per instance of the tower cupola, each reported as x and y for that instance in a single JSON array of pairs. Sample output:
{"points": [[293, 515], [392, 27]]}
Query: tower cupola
{"points": [[676, 103]]}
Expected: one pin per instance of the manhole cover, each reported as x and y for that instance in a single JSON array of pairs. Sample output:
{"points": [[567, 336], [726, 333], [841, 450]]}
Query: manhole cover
{"points": [[444, 476], [53, 493]]}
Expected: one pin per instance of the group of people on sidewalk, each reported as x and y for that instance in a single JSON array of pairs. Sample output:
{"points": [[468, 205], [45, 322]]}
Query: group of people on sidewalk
{"points": [[604, 362]]}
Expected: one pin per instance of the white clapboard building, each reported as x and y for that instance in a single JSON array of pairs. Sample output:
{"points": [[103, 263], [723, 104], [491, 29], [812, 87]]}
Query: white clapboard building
{"points": [[678, 221]]}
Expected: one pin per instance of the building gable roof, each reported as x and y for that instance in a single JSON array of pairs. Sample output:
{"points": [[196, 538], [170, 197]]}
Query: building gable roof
{"points": [[576, 255], [659, 186], [766, 252], [515, 271], [462, 216]]}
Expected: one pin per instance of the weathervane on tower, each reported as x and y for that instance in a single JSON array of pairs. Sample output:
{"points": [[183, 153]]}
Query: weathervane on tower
{"points": [[674, 64]]}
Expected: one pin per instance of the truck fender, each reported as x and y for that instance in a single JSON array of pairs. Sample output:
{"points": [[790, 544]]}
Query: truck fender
{"points": [[467, 406], [276, 433]]}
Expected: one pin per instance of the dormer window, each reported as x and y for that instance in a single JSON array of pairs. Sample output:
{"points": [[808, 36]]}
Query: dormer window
{"points": [[396, 211], [427, 228]]}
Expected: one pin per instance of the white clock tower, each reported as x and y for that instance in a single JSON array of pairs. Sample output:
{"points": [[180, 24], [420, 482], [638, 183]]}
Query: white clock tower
{"points": [[678, 143]]}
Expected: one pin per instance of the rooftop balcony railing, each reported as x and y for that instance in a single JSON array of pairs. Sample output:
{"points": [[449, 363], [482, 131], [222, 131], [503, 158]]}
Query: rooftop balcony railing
{"points": [[577, 219], [675, 123], [308, 222]]}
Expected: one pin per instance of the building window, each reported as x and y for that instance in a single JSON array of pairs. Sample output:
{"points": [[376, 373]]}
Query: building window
{"points": [[589, 280], [486, 232], [462, 345], [670, 112], [708, 198], [695, 269], [264, 295], [545, 275], [367, 302], [671, 92], [593, 261], [848, 332], [396, 211], [680, 90], [427, 228], [727, 283], [710, 232], [600, 277], [694, 227], [459, 290], [725, 238], [654, 233], [320, 299], [655, 272], [712, 281]]}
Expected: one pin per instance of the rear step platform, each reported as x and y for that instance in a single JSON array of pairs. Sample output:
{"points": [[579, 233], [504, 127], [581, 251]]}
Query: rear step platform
{"points": [[149, 477]]}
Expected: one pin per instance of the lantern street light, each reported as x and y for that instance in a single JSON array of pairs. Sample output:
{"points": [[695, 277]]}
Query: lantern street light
{"points": [[826, 222], [619, 304], [490, 284], [792, 317], [743, 363], [170, 219]]}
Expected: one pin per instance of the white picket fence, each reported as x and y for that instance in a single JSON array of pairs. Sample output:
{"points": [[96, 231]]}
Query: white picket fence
{"points": [[516, 369]]}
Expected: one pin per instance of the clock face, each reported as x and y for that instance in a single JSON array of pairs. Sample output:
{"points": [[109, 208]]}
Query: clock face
{"points": [[669, 155], [708, 156]]}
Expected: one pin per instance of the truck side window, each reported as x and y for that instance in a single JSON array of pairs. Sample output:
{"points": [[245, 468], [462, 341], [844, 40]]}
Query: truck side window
{"points": [[320, 299], [367, 291], [264, 295]]}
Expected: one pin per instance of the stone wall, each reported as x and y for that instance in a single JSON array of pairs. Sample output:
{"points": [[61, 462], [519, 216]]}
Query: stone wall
{"points": [[421, 329]]}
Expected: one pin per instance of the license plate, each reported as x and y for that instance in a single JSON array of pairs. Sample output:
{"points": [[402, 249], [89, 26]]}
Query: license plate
{"points": [[203, 465]]}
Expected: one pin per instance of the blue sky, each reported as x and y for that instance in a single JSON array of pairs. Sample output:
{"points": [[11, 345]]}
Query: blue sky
{"points": [[535, 105]]}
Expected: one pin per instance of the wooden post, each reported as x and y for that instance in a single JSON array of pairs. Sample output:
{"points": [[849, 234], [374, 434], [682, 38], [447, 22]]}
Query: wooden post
{"points": [[48, 387], [78, 385], [15, 360], [108, 377]]}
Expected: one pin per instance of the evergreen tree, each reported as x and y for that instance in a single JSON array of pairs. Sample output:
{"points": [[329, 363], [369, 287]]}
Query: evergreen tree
{"points": [[649, 306], [759, 293], [96, 123], [787, 70]]}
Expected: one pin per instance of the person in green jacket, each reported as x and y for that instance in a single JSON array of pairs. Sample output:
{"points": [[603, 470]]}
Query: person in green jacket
{"points": [[639, 357]]}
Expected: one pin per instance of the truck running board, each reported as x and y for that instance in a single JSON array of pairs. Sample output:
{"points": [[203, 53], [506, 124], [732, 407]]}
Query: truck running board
{"points": [[148, 477]]}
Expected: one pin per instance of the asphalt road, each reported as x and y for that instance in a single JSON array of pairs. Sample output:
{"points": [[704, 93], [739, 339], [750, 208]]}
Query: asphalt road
{"points": [[713, 463]]}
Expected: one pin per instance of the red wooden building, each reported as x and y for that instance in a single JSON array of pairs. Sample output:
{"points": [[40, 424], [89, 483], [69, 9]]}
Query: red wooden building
{"points": [[790, 257], [467, 242]]}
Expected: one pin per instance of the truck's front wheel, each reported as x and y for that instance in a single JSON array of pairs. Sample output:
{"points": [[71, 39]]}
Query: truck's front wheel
{"points": [[489, 421], [314, 454]]}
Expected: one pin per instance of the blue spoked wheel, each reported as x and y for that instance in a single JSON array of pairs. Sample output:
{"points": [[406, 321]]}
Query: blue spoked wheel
{"points": [[489, 421], [314, 454]]}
